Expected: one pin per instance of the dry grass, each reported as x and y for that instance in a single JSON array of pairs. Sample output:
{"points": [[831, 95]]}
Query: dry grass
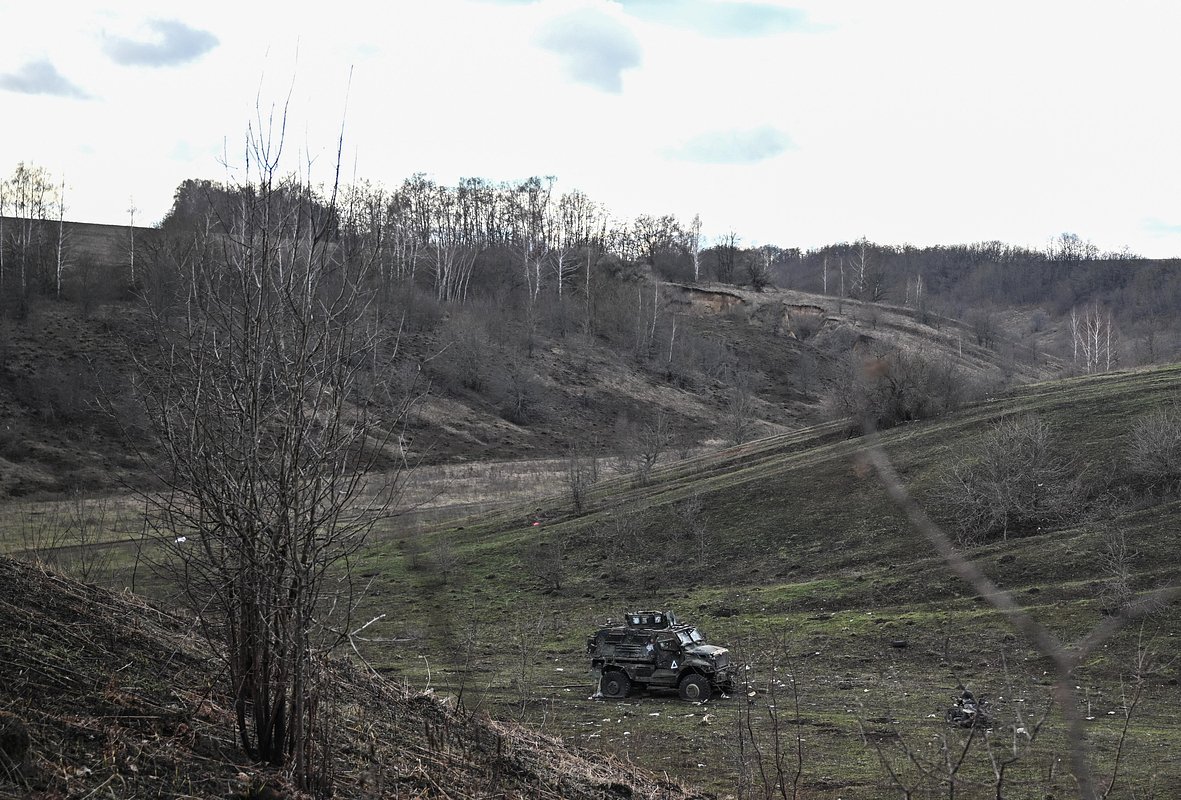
{"points": [[120, 699]]}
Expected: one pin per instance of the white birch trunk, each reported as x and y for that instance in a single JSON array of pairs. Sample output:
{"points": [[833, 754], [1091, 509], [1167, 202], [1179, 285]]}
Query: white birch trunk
{"points": [[61, 238]]}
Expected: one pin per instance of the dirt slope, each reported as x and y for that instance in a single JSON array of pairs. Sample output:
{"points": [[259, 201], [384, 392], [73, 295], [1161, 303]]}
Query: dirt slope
{"points": [[102, 695]]}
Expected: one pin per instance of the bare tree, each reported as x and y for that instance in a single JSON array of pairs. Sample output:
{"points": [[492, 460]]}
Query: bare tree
{"points": [[531, 201], [569, 229], [726, 251], [582, 472], [61, 239], [1116, 560], [759, 266], [652, 441], [131, 209], [452, 256], [1092, 339], [861, 267], [653, 237], [30, 194], [3, 244], [740, 414], [1072, 249], [266, 429], [693, 245]]}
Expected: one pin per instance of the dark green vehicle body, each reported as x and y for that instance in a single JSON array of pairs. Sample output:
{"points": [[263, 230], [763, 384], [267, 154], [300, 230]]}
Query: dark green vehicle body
{"points": [[652, 650]]}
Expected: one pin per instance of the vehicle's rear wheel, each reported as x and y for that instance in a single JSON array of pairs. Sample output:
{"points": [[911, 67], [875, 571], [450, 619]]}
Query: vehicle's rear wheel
{"points": [[694, 687], [614, 684]]}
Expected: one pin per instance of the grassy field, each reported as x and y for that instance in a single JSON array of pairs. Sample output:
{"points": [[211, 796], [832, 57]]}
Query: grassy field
{"points": [[853, 635], [796, 560]]}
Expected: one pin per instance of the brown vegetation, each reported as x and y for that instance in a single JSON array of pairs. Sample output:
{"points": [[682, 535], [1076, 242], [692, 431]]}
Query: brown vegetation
{"points": [[114, 696]]}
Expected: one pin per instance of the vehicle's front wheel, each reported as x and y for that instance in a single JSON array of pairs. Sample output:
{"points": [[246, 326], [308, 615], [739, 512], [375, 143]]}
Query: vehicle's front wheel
{"points": [[694, 687], [614, 684]]}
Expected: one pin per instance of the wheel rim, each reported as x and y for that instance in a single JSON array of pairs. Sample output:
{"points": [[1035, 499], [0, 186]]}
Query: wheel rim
{"points": [[692, 690]]}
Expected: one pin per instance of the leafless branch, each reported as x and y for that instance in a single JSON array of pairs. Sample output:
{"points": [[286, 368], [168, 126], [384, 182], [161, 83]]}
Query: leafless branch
{"points": [[1065, 659]]}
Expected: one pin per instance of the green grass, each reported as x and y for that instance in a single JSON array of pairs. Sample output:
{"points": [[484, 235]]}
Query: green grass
{"points": [[803, 545]]}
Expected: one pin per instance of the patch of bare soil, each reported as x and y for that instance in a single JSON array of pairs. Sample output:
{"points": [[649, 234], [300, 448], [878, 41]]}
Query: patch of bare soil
{"points": [[103, 695]]}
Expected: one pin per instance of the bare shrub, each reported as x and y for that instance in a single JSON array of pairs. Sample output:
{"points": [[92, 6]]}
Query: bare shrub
{"points": [[616, 539], [983, 325], [1115, 559], [467, 360], [519, 394], [86, 522], [582, 472], [414, 553], [641, 447], [804, 326], [1013, 481], [444, 558], [692, 522], [525, 642], [740, 416], [253, 392], [69, 537], [40, 534], [543, 559], [654, 440], [770, 762], [1154, 452], [890, 386]]}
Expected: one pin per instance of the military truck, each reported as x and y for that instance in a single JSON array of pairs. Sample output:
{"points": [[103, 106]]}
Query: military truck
{"points": [[653, 650]]}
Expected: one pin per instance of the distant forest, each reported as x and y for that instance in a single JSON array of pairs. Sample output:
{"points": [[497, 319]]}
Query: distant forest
{"points": [[557, 262]]}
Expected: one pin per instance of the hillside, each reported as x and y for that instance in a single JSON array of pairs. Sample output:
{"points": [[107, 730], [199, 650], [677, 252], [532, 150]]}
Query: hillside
{"points": [[759, 520], [787, 550], [784, 549], [103, 695], [737, 364]]}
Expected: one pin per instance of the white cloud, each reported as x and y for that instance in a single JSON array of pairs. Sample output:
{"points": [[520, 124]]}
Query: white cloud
{"points": [[595, 48], [721, 17], [733, 146], [40, 77], [173, 43]]}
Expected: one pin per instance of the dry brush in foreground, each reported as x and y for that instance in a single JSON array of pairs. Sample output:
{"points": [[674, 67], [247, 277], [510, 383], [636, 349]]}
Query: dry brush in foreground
{"points": [[104, 695]]}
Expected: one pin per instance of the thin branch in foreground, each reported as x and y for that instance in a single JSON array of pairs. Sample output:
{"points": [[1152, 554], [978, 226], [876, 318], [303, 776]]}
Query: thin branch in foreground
{"points": [[1003, 601]]}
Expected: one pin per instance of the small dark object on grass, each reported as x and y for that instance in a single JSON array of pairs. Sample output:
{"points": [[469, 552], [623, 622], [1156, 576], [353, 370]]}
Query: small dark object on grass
{"points": [[969, 712]]}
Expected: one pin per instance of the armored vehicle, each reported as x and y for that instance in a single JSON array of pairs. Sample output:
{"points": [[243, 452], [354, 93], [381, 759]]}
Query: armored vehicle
{"points": [[651, 650]]}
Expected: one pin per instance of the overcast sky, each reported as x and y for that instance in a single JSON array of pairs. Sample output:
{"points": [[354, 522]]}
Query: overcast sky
{"points": [[793, 123]]}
